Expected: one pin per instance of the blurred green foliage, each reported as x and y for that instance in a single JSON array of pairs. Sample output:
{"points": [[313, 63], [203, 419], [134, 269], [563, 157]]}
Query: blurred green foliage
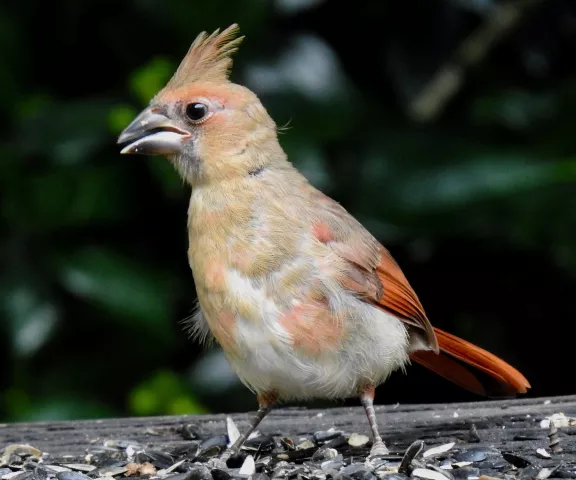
{"points": [[477, 204]]}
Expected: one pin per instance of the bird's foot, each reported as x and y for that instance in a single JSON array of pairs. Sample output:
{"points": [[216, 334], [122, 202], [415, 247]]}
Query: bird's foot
{"points": [[378, 449]]}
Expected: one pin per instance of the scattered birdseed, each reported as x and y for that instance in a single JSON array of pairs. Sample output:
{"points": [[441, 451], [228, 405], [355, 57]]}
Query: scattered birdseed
{"points": [[82, 467], [248, 467], [428, 474], [193, 454], [432, 452], [357, 440], [111, 471], [232, 430], [305, 445], [11, 475], [543, 453], [57, 468], [170, 469], [71, 476], [411, 453]]}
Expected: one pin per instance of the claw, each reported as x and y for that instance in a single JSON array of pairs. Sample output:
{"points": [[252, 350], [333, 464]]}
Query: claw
{"points": [[378, 450]]}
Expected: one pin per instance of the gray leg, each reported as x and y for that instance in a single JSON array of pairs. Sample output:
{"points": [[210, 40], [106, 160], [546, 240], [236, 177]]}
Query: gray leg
{"points": [[367, 399], [265, 404]]}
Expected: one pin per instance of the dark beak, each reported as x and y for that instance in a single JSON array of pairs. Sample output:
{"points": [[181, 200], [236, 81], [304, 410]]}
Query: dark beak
{"points": [[152, 133]]}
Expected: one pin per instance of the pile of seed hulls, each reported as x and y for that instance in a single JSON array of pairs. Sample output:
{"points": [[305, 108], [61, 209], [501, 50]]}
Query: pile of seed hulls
{"points": [[325, 455]]}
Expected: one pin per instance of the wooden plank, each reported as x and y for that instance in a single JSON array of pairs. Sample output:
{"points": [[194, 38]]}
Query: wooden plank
{"points": [[512, 426]]}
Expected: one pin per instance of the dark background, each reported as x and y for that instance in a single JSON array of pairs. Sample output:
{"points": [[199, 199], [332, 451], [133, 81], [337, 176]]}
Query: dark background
{"points": [[471, 184]]}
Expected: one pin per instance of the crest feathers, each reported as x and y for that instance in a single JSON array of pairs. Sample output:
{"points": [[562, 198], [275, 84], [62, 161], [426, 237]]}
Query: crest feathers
{"points": [[208, 59]]}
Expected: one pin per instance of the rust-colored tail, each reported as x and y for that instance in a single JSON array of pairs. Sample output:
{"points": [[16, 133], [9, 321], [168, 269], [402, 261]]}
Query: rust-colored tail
{"points": [[489, 375]]}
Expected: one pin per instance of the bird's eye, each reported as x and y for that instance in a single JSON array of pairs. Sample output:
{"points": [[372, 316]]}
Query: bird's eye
{"points": [[196, 111]]}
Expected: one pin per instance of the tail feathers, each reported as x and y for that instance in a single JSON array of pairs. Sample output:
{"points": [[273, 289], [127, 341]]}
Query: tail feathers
{"points": [[472, 367]]}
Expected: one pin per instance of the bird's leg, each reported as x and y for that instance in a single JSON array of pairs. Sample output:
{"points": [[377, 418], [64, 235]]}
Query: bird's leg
{"points": [[265, 404], [367, 399]]}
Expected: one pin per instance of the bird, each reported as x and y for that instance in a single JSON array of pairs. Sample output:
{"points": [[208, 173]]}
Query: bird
{"points": [[303, 300]]}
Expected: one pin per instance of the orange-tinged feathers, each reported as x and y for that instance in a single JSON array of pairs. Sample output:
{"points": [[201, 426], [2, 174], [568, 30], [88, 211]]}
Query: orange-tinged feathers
{"points": [[208, 59], [449, 356], [497, 378], [399, 298]]}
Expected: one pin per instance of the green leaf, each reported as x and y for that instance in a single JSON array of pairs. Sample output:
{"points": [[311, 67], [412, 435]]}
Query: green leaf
{"points": [[69, 132], [164, 393], [120, 116], [33, 106], [480, 178], [515, 109], [148, 80], [31, 318], [66, 196], [16, 402], [135, 295]]}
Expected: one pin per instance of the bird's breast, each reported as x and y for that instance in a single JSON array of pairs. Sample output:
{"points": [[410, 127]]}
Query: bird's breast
{"points": [[262, 278], [311, 346], [245, 313], [268, 292]]}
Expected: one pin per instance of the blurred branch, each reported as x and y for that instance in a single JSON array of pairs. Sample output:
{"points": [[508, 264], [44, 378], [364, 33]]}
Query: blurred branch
{"points": [[449, 79]]}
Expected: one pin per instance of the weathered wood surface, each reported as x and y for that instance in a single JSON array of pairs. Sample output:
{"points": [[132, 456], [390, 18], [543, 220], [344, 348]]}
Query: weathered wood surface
{"points": [[512, 426]]}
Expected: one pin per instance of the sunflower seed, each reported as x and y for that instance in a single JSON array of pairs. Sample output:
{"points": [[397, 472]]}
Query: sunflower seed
{"points": [[248, 467], [428, 474], [232, 430], [357, 440], [431, 452], [82, 467]]}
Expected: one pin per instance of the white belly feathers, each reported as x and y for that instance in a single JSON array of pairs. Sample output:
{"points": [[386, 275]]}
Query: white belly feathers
{"points": [[374, 345]]}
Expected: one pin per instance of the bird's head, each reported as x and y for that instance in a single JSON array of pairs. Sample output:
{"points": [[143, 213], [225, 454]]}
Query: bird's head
{"points": [[204, 124]]}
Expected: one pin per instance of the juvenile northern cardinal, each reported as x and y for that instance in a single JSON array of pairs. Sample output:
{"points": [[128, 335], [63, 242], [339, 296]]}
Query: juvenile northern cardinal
{"points": [[304, 301]]}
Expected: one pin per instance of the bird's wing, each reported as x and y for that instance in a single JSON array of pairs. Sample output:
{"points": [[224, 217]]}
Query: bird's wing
{"points": [[374, 275], [371, 272]]}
